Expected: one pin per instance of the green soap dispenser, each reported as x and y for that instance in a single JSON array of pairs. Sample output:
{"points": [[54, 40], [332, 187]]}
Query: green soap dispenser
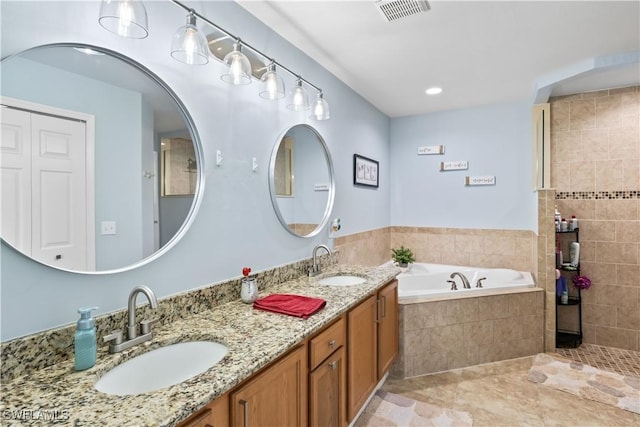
{"points": [[85, 340]]}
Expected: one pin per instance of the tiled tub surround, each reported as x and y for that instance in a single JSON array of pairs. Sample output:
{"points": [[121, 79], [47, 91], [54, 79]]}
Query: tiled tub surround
{"points": [[595, 140], [254, 339], [514, 249], [445, 334]]}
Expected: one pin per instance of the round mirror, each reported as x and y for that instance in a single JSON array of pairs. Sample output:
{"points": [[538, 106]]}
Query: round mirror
{"points": [[301, 181], [101, 162]]}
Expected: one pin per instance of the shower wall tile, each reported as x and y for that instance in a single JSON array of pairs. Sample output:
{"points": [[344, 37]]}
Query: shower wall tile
{"points": [[595, 140]]}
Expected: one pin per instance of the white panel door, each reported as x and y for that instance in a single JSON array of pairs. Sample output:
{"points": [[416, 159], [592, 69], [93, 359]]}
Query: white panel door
{"points": [[59, 193], [15, 159]]}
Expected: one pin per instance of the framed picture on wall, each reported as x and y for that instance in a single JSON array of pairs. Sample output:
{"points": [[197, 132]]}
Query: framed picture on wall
{"points": [[365, 171]]}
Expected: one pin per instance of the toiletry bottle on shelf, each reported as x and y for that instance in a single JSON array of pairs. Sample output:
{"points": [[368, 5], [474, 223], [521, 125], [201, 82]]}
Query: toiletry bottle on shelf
{"points": [[85, 340], [574, 222], [564, 298], [557, 215], [563, 225]]}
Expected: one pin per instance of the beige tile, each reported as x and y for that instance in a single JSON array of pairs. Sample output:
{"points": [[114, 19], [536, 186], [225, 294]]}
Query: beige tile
{"points": [[462, 310], [601, 315], [567, 146], [608, 111], [582, 114], [478, 333], [602, 231], [608, 175], [627, 231], [533, 326], [628, 275], [628, 317], [494, 307], [595, 144], [416, 342], [446, 338], [620, 209], [461, 358], [560, 116], [617, 337], [616, 295], [599, 273], [621, 253], [623, 143], [583, 175], [507, 330]]}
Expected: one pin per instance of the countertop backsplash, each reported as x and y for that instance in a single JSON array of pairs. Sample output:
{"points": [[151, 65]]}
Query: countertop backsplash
{"points": [[24, 355]]}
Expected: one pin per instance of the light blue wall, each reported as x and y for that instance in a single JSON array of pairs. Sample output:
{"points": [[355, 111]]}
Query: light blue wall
{"points": [[118, 114], [496, 140], [235, 225]]}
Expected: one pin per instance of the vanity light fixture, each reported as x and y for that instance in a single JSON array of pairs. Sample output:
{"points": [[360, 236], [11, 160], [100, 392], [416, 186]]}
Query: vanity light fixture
{"points": [[298, 98], [321, 108], [189, 44], [434, 90], [239, 66], [127, 18], [272, 84]]}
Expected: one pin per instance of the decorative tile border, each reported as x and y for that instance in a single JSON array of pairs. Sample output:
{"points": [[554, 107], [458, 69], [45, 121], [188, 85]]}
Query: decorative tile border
{"points": [[590, 195]]}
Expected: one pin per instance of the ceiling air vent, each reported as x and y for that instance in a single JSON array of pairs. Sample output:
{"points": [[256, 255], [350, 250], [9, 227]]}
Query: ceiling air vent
{"points": [[393, 10]]}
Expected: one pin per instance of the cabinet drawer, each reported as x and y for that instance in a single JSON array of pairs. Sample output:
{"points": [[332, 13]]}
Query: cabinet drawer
{"points": [[326, 342]]}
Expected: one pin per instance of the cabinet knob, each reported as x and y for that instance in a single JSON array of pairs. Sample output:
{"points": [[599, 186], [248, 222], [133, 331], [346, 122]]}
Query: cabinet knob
{"points": [[333, 365], [332, 343]]}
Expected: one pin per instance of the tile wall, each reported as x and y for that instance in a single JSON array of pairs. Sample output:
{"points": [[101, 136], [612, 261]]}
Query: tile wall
{"points": [[442, 335], [595, 170], [516, 249], [546, 263]]}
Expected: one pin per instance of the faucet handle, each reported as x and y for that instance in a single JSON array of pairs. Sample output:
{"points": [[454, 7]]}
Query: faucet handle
{"points": [[479, 282], [145, 325], [453, 285], [115, 336]]}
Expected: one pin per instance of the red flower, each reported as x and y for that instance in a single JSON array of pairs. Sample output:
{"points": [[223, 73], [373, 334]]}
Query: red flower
{"points": [[246, 271]]}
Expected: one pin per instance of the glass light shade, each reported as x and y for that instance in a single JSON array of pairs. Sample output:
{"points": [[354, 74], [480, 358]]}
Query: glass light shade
{"points": [[272, 84], [298, 98], [127, 18], [239, 67], [189, 45], [320, 110]]}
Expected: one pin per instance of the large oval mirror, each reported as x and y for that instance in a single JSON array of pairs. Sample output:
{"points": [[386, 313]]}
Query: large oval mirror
{"points": [[301, 181], [101, 162]]}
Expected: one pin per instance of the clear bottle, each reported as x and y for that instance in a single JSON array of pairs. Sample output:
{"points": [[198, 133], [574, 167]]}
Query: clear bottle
{"points": [[85, 340], [563, 225], [564, 298]]}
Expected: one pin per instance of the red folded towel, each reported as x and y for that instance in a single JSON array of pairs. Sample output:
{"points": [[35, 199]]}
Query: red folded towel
{"points": [[292, 305]]}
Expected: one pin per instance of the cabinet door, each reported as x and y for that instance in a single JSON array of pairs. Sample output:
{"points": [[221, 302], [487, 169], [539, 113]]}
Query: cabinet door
{"points": [[387, 327], [327, 392], [215, 414], [275, 397], [362, 372]]}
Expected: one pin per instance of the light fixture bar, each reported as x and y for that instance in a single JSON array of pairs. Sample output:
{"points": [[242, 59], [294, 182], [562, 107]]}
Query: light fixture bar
{"points": [[245, 44]]}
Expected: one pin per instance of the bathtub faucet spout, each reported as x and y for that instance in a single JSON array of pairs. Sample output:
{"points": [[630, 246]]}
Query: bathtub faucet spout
{"points": [[465, 281]]}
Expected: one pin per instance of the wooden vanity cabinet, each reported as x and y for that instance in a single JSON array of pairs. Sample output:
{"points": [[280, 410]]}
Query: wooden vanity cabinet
{"points": [[387, 327], [215, 414], [372, 336], [327, 377], [275, 397]]}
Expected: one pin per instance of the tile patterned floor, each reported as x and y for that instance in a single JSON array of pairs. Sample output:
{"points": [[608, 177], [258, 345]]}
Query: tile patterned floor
{"points": [[625, 362], [500, 395]]}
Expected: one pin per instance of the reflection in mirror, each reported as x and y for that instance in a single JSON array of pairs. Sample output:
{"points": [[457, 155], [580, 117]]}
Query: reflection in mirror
{"points": [[301, 181], [101, 167]]}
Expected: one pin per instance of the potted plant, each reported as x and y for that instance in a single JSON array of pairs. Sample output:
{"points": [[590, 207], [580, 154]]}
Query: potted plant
{"points": [[402, 256]]}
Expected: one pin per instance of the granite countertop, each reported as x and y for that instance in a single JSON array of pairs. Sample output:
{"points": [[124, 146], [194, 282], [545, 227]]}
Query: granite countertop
{"points": [[59, 395]]}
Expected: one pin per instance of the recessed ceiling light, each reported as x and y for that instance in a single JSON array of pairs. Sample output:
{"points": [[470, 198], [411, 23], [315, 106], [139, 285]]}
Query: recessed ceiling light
{"points": [[434, 90]]}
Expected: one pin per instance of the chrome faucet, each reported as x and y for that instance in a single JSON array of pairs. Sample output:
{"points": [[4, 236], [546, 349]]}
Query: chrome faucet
{"points": [[315, 268], [118, 344], [465, 281]]}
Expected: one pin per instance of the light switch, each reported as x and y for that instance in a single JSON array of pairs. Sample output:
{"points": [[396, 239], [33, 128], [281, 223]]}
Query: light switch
{"points": [[108, 227]]}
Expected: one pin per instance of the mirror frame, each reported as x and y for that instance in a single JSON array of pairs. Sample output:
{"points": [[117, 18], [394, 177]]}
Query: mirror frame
{"points": [[197, 145], [332, 185]]}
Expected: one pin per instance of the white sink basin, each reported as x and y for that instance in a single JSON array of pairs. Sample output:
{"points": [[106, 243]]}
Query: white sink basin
{"points": [[161, 368], [343, 280]]}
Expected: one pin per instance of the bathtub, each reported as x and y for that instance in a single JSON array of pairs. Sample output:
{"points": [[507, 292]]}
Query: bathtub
{"points": [[426, 281], [440, 329]]}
